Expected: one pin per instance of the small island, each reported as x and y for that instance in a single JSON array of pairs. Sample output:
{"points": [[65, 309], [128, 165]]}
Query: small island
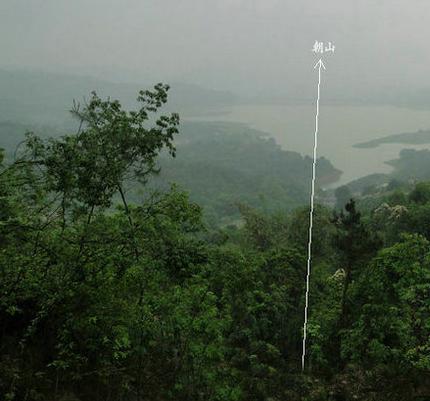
{"points": [[420, 137]]}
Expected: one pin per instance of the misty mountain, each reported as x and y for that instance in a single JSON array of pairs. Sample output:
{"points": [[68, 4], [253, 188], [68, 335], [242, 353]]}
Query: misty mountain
{"points": [[414, 138], [223, 164], [46, 98]]}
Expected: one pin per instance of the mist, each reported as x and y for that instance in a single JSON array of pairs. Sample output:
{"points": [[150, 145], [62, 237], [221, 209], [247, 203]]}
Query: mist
{"points": [[251, 47]]}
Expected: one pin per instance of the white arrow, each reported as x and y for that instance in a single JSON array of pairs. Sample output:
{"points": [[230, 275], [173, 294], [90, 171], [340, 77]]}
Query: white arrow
{"points": [[318, 65]]}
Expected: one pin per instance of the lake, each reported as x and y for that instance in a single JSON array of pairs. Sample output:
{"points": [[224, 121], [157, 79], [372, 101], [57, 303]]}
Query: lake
{"points": [[340, 127]]}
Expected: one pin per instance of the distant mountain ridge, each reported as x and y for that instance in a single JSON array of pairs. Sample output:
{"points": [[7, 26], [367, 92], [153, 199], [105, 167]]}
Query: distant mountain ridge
{"points": [[45, 98]]}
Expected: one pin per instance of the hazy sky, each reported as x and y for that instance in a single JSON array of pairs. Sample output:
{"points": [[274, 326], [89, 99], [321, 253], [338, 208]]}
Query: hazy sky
{"points": [[242, 45]]}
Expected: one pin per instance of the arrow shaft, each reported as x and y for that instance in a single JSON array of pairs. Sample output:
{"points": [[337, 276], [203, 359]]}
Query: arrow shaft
{"points": [[311, 220]]}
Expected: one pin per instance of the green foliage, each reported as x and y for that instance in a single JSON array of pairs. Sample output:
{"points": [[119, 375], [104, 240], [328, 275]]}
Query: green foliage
{"points": [[343, 195], [421, 193], [412, 164], [111, 145], [104, 299], [323, 231], [392, 330], [222, 164]]}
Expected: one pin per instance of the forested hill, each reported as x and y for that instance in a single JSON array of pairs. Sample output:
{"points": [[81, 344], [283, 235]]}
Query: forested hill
{"points": [[412, 138], [223, 164], [44, 98], [409, 168]]}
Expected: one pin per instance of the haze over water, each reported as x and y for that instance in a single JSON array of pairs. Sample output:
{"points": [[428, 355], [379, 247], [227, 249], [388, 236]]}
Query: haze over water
{"points": [[340, 128]]}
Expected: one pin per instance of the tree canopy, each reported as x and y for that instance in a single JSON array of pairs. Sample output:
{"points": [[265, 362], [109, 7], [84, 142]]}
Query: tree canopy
{"points": [[104, 298]]}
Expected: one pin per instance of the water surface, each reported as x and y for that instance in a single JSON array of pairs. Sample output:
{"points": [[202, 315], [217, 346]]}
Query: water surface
{"points": [[340, 128]]}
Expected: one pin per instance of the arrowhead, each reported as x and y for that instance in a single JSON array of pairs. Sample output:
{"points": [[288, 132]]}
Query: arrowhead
{"points": [[319, 64]]}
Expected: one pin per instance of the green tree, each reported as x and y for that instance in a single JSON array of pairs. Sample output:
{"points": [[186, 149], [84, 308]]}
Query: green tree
{"points": [[62, 259], [421, 193], [343, 195], [391, 332], [356, 246]]}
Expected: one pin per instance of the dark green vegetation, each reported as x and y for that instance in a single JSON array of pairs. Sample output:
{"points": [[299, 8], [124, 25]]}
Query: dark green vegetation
{"points": [[221, 164], [415, 138], [411, 166], [104, 299]]}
